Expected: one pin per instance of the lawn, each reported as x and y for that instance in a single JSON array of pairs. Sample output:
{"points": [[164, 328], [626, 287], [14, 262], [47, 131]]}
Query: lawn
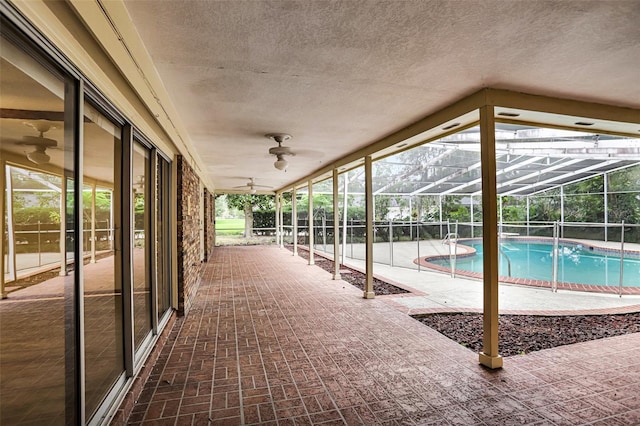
{"points": [[229, 226]]}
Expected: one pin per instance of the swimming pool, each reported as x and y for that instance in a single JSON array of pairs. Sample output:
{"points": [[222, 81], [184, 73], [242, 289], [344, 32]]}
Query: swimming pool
{"points": [[533, 260]]}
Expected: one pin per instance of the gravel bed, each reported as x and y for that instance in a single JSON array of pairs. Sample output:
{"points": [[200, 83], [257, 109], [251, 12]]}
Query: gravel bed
{"points": [[351, 276], [521, 334]]}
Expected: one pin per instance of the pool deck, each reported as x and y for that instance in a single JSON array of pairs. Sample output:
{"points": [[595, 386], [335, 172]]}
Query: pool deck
{"points": [[433, 292]]}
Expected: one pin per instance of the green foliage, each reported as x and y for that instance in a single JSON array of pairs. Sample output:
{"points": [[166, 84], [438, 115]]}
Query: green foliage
{"points": [[382, 204], [356, 213], [221, 205], [624, 204], [460, 214], [248, 203], [265, 219], [545, 208], [257, 201], [33, 215], [452, 209], [513, 209]]}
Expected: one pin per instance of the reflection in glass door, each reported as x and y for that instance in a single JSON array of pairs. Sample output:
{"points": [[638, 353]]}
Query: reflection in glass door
{"points": [[38, 370], [141, 243], [103, 305], [163, 263]]}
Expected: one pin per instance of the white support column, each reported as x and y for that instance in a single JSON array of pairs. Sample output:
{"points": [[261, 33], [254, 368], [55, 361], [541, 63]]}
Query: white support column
{"points": [[281, 220], [336, 227], [294, 220], [344, 217], [310, 227], [93, 222], [277, 199], [489, 356], [368, 190]]}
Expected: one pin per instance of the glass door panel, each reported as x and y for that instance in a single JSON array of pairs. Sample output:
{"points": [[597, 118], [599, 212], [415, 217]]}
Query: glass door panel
{"points": [[141, 217], [103, 305], [163, 237], [38, 373]]}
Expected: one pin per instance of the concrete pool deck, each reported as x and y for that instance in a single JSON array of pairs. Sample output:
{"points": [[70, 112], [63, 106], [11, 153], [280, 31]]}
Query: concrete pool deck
{"points": [[438, 292]]}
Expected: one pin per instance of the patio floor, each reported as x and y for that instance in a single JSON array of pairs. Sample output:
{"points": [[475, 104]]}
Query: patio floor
{"points": [[271, 340]]}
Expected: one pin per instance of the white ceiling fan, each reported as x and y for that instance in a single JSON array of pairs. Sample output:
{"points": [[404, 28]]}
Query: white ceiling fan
{"points": [[280, 151], [251, 186], [39, 143]]}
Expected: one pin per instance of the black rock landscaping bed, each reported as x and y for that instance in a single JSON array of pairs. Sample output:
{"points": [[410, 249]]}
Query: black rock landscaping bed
{"points": [[521, 334], [351, 276]]}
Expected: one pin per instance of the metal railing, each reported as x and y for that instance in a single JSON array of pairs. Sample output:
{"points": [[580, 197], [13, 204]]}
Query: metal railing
{"points": [[399, 243]]}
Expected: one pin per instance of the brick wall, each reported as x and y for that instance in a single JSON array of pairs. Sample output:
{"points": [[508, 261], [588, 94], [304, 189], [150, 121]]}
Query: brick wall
{"points": [[188, 235], [209, 224]]}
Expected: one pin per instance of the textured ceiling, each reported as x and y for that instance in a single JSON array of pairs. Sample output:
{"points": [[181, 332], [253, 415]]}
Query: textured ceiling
{"points": [[339, 75]]}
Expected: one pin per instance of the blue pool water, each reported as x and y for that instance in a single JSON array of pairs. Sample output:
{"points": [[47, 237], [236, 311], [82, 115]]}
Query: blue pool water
{"points": [[576, 264]]}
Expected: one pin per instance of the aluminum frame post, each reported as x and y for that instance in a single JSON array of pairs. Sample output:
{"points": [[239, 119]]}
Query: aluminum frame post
{"points": [[294, 220], [277, 200], [336, 227], [368, 178], [390, 242], [471, 211], [606, 207], [528, 205], [621, 258], [440, 213], [281, 220], [555, 260], [344, 217], [310, 224], [561, 234]]}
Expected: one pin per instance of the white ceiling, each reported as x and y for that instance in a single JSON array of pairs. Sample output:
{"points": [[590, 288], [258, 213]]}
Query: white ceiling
{"points": [[340, 75]]}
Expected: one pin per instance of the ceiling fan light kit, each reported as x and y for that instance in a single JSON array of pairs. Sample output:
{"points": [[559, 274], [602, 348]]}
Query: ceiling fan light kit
{"points": [[40, 143], [251, 186], [280, 151], [39, 156], [281, 163]]}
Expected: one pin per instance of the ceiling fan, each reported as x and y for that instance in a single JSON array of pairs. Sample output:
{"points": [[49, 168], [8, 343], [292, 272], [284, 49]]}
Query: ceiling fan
{"points": [[39, 143], [280, 151], [251, 186]]}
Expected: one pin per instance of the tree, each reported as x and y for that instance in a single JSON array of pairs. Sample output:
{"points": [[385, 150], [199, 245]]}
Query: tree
{"points": [[221, 205], [513, 209], [624, 200], [247, 203]]}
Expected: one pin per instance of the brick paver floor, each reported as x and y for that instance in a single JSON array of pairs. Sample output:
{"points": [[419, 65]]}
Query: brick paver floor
{"points": [[271, 340]]}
